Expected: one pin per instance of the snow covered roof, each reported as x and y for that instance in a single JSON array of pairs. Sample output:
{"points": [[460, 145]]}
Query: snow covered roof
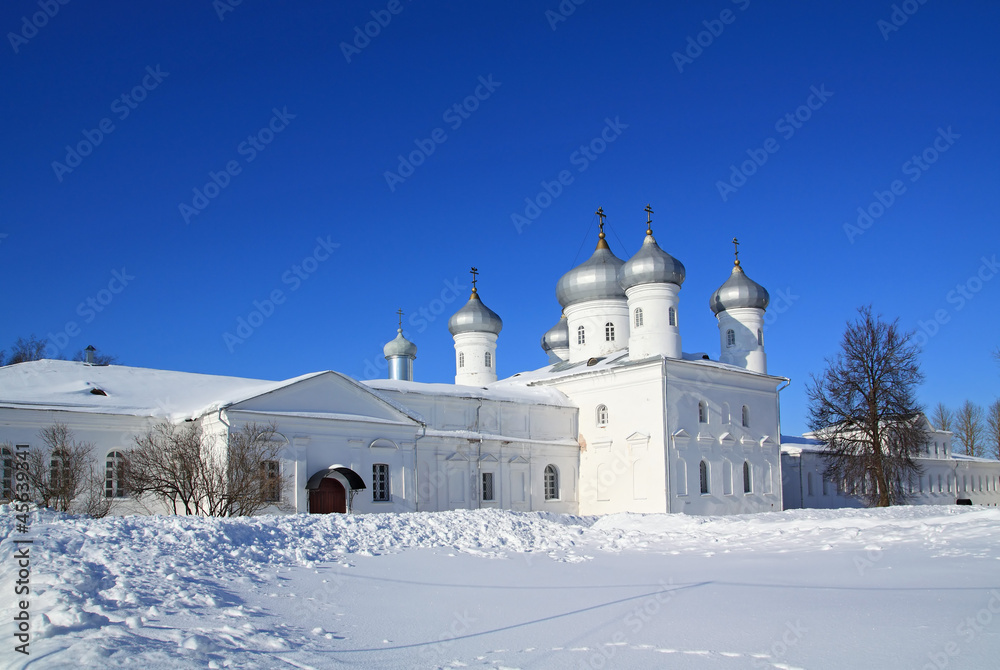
{"points": [[795, 444], [519, 393], [119, 389], [618, 359]]}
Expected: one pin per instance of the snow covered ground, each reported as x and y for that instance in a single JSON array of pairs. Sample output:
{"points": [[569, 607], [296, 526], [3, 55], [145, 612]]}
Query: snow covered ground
{"points": [[909, 587]]}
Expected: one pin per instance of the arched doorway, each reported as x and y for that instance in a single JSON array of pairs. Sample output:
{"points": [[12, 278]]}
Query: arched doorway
{"points": [[327, 490], [330, 497]]}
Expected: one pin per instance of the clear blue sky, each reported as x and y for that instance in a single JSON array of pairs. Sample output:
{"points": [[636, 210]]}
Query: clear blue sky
{"points": [[310, 132]]}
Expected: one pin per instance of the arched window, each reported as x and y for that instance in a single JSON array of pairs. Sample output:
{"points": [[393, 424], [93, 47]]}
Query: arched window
{"points": [[581, 338], [730, 338], [809, 484], [760, 337], [380, 483], [724, 416], [114, 470], [638, 316], [768, 487], [7, 484], [602, 415], [461, 359], [746, 416], [672, 316], [727, 477], [703, 476], [609, 332], [551, 483], [489, 360], [702, 412], [747, 479]]}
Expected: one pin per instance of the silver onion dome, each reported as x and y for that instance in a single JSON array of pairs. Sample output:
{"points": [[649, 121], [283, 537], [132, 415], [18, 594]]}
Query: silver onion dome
{"points": [[475, 317], [651, 265], [594, 279], [739, 291], [556, 337], [400, 347]]}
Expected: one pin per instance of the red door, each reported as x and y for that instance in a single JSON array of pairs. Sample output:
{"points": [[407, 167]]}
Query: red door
{"points": [[329, 497]]}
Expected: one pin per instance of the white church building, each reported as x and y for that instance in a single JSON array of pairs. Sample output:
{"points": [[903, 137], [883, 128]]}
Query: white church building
{"points": [[620, 419]]}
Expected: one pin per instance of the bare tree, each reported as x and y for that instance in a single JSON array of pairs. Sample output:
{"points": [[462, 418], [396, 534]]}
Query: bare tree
{"points": [[993, 429], [24, 350], [224, 475], [969, 428], [943, 417], [58, 470], [864, 408]]}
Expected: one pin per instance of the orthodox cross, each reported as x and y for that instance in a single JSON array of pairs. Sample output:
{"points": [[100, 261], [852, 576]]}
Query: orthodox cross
{"points": [[736, 246], [601, 215], [474, 272], [649, 218], [400, 313]]}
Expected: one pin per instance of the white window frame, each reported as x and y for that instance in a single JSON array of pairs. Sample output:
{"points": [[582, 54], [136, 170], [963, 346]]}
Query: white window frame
{"points": [[550, 482], [602, 415]]}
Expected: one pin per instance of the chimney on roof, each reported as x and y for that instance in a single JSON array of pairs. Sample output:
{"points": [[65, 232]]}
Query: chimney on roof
{"points": [[89, 353]]}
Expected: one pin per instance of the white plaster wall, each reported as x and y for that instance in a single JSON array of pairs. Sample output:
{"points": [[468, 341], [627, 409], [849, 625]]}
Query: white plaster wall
{"points": [[655, 336], [723, 438], [593, 315]]}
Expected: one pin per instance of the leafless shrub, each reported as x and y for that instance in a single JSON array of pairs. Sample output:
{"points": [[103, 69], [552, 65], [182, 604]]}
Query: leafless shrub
{"points": [[225, 475]]}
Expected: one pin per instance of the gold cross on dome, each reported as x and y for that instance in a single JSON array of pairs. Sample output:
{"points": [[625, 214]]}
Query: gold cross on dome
{"points": [[649, 217], [400, 313], [736, 246], [600, 213], [474, 272]]}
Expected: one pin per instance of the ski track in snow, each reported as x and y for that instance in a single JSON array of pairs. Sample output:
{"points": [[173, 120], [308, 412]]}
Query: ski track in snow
{"points": [[101, 589]]}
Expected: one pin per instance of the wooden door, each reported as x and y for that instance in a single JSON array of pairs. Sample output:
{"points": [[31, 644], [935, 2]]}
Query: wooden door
{"points": [[329, 497]]}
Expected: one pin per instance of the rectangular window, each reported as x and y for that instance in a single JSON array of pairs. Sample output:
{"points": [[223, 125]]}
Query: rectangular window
{"points": [[488, 486], [380, 482], [271, 474]]}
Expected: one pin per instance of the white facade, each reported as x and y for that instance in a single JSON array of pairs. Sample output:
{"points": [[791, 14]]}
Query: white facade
{"points": [[597, 328], [475, 359], [629, 423], [654, 326], [946, 477]]}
